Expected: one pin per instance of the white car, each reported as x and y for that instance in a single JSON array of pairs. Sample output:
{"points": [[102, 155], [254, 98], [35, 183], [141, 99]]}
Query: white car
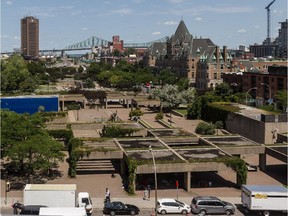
{"points": [[172, 206]]}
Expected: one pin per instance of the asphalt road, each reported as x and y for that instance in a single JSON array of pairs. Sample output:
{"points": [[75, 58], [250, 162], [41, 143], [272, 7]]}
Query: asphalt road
{"points": [[143, 212]]}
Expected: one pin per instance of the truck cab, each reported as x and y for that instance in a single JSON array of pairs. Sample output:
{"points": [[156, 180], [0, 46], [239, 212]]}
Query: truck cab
{"points": [[85, 201]]}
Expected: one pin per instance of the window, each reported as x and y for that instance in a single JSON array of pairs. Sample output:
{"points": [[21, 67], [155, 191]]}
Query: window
{"points": [[211, 203], [202, 202], [219, 204]]}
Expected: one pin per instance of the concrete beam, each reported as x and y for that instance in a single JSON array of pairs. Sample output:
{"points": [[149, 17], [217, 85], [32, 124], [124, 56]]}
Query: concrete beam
{"points": [[182, 167], [262, 162], [276, 154], [104, 155], [244, 150]]}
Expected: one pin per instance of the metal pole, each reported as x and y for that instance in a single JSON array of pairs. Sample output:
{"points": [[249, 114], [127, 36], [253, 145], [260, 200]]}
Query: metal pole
{"points": [[155, 174], [247, 94]]}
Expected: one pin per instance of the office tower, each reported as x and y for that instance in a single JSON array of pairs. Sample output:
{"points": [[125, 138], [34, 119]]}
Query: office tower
{"points": [[30, 36]]}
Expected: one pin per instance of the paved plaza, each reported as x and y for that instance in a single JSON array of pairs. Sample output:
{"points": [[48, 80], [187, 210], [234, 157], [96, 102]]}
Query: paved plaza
{"points": [[95, 184]]}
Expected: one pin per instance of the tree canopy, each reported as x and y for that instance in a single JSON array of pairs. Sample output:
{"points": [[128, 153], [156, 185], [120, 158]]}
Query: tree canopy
{"points": [[16, 77], [25, 143]]}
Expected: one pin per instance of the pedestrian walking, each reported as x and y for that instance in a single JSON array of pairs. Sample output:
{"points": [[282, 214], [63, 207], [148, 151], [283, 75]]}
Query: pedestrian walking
{"points": [[146, 194], [107, 196]]}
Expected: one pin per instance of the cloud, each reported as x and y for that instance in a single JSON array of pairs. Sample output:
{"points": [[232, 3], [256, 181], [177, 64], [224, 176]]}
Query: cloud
{"points": [[241, 30], [123, 11], [9, 2], [156, 33], [84, 28], [198, 18], [48, 11], [16, 38], [176, 1], [170, 23]]}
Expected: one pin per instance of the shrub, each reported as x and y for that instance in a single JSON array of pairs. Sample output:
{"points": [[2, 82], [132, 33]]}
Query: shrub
{"points": [[159, 116], [205, 128], [136, 112], [113, 131]]}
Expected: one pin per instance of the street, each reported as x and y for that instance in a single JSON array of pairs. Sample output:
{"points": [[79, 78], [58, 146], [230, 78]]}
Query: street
{"points": [[98, 212]]}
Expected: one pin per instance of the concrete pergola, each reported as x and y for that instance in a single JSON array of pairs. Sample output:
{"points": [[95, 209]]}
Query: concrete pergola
{"points": [[177, 151]]}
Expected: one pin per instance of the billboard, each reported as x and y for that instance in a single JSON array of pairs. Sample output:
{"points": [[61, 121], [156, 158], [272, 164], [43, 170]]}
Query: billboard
{"points": [[30, 104]]}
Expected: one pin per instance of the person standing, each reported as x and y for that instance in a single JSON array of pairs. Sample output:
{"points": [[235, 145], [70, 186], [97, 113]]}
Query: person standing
{"points": [[107, 195]]}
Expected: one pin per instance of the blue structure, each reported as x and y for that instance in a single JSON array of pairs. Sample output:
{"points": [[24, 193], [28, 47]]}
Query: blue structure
{"points": [[30, 104]]}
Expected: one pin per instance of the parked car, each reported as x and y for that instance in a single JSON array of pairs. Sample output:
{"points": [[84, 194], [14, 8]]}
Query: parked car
{"points": [[172, 206], [211, 205], [119, 208], [20, 209]]}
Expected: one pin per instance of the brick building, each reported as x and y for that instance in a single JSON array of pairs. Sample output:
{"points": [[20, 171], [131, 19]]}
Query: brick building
{"points": [[197, 59], [117, 44], [267, 84]]}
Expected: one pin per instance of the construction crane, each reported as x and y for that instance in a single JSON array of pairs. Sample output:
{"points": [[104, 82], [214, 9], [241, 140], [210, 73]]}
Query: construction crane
{"points": [[268, 21]]}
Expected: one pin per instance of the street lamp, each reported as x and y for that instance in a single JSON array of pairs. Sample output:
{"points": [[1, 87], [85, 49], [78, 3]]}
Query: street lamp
{"points": [[151, 150], [269, 89], [247, 94]]}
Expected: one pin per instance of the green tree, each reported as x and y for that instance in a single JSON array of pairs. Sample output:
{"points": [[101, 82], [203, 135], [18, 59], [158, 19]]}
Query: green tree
{"points": [[183, 84], [205, 128], [15, 76], [219, 125], [116, 53], [168, 95], [136, 112], [282, 99], [223, 90], [194, 109], [166, 76], [26, 143], [188, 96], [88, 83]]}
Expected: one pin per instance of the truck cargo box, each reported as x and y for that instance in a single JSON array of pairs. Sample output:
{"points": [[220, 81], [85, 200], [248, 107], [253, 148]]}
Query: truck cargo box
{"points": [[51, 195]]}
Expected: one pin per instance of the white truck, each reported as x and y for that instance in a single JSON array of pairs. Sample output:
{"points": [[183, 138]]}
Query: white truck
{"points": [[57, 195], [264, 198], [63, 211]]}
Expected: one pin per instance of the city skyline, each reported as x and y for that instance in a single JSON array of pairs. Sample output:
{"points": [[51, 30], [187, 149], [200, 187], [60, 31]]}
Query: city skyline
{"points": [[62, 23]]}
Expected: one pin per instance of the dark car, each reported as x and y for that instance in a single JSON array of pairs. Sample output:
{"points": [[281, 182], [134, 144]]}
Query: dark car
{"points": [[18, 208], [119, 208]]}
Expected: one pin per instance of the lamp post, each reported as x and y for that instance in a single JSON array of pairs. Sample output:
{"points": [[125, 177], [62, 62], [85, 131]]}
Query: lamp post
{"points": [[269, 89], [247, 94], [151, 150]]}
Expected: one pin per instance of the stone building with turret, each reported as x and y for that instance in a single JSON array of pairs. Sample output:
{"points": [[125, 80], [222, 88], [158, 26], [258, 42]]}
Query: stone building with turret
{"points": [[198, 59]]}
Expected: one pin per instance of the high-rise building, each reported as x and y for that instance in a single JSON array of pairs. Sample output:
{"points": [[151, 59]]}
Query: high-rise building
{"points": [[30, 36]]}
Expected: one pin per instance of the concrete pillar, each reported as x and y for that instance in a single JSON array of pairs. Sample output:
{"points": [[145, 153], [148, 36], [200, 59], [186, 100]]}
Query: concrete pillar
{"points": [[123, 167], [127, 104], [187, 181], [262, 162], [84, 104], [63, 106], [106, 103]]}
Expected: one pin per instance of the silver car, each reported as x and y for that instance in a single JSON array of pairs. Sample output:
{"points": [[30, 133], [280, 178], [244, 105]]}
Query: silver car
{"points": [[211, 205]]}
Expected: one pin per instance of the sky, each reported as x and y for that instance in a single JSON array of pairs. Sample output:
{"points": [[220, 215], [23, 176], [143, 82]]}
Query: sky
{"points": [[66, 22]]}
